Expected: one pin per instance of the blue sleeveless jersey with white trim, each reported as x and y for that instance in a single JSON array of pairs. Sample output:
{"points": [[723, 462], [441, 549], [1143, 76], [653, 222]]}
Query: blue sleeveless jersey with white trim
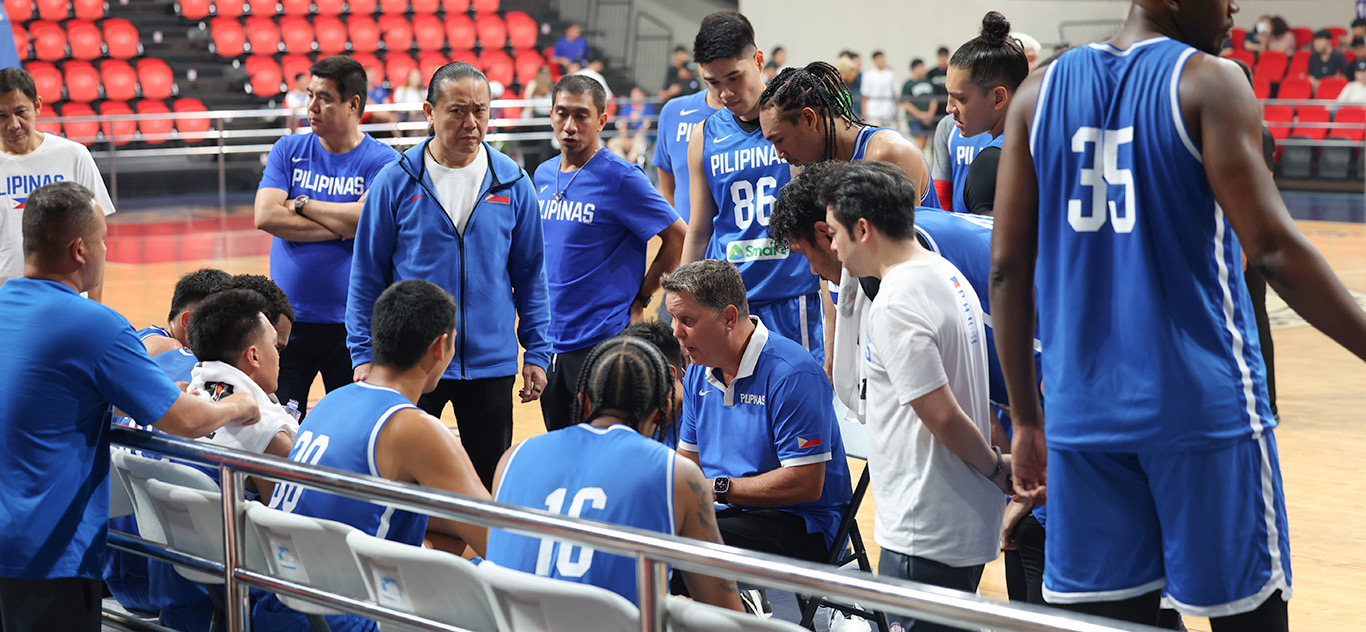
{"points": [[745, 175], [1149, 337], [629, 483], [865, 134], [962, 151]]}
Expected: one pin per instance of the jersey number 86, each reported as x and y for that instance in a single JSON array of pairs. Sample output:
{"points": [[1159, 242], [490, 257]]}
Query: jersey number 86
{"points": [[753, 200]]}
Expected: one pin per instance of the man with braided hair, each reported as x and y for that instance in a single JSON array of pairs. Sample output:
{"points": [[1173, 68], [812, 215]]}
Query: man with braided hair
{"points": [[625, 397], [808, 115]]}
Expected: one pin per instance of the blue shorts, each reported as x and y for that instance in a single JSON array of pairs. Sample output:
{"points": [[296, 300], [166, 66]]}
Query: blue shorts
{"points": [[1209, 526], [797, 319]]}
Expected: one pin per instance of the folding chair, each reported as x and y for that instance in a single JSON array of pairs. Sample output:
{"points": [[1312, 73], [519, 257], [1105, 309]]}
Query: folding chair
{"points": [[855, 436], [686, 615], [434, 584], [529, 602], [308, 551]]}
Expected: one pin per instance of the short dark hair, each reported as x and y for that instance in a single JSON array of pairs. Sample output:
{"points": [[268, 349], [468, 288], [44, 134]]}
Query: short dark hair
{"points": [[917, 62], [776, 49], [454, 71], [723, 35], [277, 304], [346, 73], [713, 283], [225, 324], [799, 205], [54, 215], [12, 79], [1358, 22], [878, 192], [658, 334], [1323, 34], [943, 50], [878, 53], [580, 84], [993, 58], [408, 317], [195, 287], [680, 49]]}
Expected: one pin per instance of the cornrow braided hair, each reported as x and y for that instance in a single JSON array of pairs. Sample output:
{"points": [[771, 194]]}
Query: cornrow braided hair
{"points": [[628, 376], [817, 86]]}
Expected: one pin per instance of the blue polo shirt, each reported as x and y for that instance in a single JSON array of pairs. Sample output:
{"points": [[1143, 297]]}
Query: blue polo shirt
{"points": [[777, 412], [676, 120], [595, 237], [54, 424]]}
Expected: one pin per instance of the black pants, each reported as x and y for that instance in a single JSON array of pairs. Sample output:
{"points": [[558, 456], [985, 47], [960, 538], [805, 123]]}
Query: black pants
{"points": [[1024, 565], [769, 531], [483, 412], [559, 399], [1256, 289], [313, 348], [67, 604], [1271, 616], [927, 571]]}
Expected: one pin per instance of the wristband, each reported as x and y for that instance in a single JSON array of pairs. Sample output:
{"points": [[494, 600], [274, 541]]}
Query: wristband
{"points": [[1000, 464]]}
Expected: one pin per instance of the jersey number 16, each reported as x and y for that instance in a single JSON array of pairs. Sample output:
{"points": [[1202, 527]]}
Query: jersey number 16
{"points": [[565, 563], [1107, 142]]}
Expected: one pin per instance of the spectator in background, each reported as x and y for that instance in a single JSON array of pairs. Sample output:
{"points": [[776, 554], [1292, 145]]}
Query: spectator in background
{"points": [[1358, 26], [1327, 60], [770, 71], [849, 72], [375, 94], [594, 69], [633, 126], [679, 79], [1355, 91], [1272, 33], [1359, 47], [919, 102], [879, 93], [1031, 47], [939, 74], [296, 100], [571, 48], [535, 152], [412, 92], [779, 57]]}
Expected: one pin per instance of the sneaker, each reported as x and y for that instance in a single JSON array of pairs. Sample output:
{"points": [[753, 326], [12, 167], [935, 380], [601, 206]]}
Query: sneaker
{"points": [[756, 603], [840, 622]]}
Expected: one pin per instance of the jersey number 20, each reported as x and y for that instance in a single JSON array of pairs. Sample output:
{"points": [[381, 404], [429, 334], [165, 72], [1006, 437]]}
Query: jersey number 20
{"points": [[1101, 208], [308, 448], [566, 564]]}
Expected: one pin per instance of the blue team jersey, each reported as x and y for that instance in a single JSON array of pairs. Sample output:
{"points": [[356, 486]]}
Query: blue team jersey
{"points": [[865, 135], [961, 152], [177, 363], [314, 275], [630, 483], [54, 424], [675, 124], [596, 228], [1150, 338], [777, 412], [148, 332], [745, 174]]}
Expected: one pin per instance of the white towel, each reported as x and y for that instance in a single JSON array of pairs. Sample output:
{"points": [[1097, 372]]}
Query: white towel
{"points": [[255, 437], [849, 370]]}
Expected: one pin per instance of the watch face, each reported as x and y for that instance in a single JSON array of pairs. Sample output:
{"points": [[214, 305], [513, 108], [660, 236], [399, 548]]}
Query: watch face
{"points": [[721, 485]]}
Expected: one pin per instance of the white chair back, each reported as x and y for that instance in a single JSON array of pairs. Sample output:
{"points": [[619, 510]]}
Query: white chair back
{"points": [[308, 551], [136, 470], [690, 616], [192, 520], [434, 584], [120, 498], [855, 436], [530, 602]]}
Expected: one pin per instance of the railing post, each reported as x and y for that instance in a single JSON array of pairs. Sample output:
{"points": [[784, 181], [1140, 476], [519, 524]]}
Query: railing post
{"points": [[653, 585], [235, 598], [222, 170]]}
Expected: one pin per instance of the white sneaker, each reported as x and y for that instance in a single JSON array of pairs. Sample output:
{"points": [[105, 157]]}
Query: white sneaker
{"points": [[840, 622]]}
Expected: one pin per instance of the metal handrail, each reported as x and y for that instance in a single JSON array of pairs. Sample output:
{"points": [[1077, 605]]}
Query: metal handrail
{"points": [[652, 550]]}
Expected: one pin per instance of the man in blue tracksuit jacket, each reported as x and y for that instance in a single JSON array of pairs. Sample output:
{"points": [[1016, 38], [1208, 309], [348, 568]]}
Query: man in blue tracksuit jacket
{"points": [[456, 212]]}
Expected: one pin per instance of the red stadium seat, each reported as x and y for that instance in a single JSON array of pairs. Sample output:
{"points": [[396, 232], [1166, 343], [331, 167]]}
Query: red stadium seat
{"points": [[229, 8], [330, 34], [330, 7], [426, 6], [452, 7], [1246, 56], [1236, 37], [397, 32], [88, 9], [522, 30], [53, 10], [263, 8], [19, 10], [428, 64], [362, 7], [369, 60], [1297, 88], [294, 65], [191, 129], [398, 66], [21, 46], [193, 9], [47, 79], [460, 32], [1330, 87], [1354, 115], [466, 56], [82, 81], [227, 37], [47, 121], [120, 80], [49, 41], [263, 37], [1351, 56], [364, 34], [296, 8], [1299, 64], [493, 33], [1339, 35], [121, 39], [393, 7], [1271, 65], [1307, 118], [1261, 88], [485, 6], [527, 63], [84, 39], [121, 132], [428, 32], [84, 132], [156, 78], [1278, 120], [152, 128], [497, 66], [263, 76], [1303, 36], [296, 33]]}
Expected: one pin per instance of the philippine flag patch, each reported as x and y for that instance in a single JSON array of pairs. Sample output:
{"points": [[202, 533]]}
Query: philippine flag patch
{"points": [[498, 199], [955, 281], [803, 444]]}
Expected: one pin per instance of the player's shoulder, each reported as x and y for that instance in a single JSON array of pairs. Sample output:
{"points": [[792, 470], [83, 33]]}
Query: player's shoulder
{"points": [[613, 165]]}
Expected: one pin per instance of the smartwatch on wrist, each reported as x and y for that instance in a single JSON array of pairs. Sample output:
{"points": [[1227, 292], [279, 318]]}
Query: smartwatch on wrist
{"points": [[720, 485], [299, 203], [644, 300]]}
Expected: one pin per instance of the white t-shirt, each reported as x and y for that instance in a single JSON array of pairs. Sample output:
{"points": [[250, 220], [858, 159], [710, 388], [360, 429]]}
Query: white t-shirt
{"points": [[1354, 92], [879, 86], [456, 189], [56, 159], [252, 438], [925, 331]]}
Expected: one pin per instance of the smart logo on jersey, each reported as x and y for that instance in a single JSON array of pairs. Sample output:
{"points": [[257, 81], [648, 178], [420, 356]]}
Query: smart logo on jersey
{"points": [[803, 443], [754, 250]]}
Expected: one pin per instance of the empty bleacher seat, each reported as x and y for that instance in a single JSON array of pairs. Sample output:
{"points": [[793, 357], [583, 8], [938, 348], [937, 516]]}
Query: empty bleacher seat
{"points": [[310, 551], [527, 63], [1279, 119], [1297, 88], [466, 56], [330, 7], [53, 10], [296, 34], [193, 9], [154, 130], [393, 7], [428, 63], [121, 39], [1271, 65], [1355, 118], [397, 67], [369, 60], [1336, 162], [120, 132], [84, 132], [330, 34], [82, 81], [421, 581], [47, 79], [493, 32], [48, 124], [1237, 36], [362, 7], [84, 39], [530, 602], [263, 8], [1299, 64], [263, 36], [1261, 88], [452, 7], [21, 46], [426, 6], [364, 34], [263, 76], [88, 9], [229, 8], [191, 129], [1330, 87], [19, 10], [49, 40], [428, 32], [1246, 56], [120, 80], [522, 30], [156, 78], [294, 65], [1303, 36], [497, 66], [296, 8], [686, 615], [460, 32], [484, 6], [396, 31], [1309, 121]]}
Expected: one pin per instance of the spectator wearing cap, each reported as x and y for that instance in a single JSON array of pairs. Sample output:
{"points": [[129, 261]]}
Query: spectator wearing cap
{"points": [[1355, 91], [1327, 60]]}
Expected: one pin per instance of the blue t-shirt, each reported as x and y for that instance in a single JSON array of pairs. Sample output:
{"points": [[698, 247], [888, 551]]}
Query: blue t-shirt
{"points": [[576, 50], [177, 363], [745, 174], [777, 412], [595, 237], [1150, 334], [676, 120], [630, 482], [377, 94], [865, 136], [630, 110], [54, 424], [148, 332], [314, 275], [961, 152]]}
